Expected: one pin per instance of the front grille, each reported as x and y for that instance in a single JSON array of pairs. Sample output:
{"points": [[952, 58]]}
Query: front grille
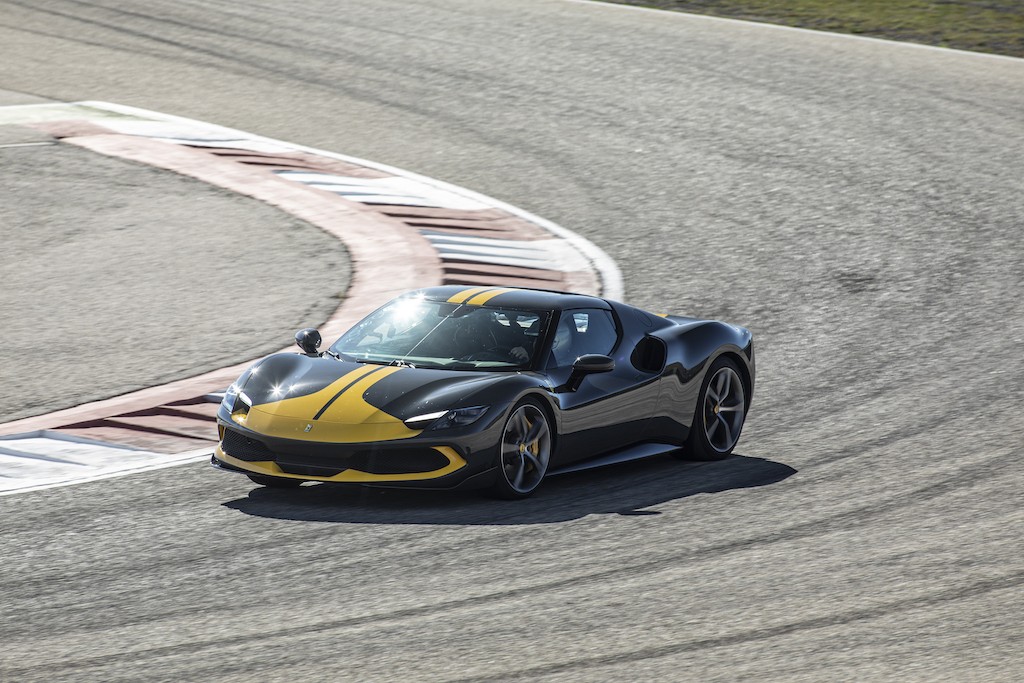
{"points": [[383, 461], [397, 462], [242, 447], [309, 471], [327, 460]]}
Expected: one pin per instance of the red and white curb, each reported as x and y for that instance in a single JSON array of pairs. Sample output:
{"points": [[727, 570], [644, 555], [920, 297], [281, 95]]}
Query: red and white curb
{"points": [[402, 230]]}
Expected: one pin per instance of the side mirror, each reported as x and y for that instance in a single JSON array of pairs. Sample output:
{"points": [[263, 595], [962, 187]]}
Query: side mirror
{"points": [[588, 364], [309, 341]]}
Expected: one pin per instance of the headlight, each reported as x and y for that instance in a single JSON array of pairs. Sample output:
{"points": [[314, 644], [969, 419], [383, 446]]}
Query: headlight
{"points": [[243, 402], [459, 417], [239, 407], [230, 400]]}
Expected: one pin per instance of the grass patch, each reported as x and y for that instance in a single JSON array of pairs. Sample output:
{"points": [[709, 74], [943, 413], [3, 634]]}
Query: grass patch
{"points": [[995, 26]]}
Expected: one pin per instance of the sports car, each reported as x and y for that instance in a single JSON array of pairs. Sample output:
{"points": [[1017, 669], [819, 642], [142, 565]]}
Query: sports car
{"points": [[488, 387]]}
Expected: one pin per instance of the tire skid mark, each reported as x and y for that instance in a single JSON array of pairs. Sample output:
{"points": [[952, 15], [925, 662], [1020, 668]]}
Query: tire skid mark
{"points": [[156, 33], [899, 434], [122, 30], [845, 520], [895, 607], [1008, 581], [369, 90], [939, 347]]}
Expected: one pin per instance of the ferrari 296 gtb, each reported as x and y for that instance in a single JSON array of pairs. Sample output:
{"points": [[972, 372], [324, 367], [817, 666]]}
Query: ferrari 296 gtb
{"points": [[488, 387]]}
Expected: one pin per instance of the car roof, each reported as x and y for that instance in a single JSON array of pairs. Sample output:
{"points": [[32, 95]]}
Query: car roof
{"points": [[512, 297]]}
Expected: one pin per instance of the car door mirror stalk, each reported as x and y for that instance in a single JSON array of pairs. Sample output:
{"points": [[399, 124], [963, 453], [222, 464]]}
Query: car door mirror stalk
{"points": [[309, 341], [588, 364]]}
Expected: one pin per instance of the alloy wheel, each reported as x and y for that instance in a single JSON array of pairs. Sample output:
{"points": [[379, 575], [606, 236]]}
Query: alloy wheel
{"points": [[525, 448], [724, 408]]}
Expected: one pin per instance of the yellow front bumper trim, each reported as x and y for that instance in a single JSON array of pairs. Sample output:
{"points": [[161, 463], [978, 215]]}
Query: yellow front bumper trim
{"points": [[270, 468]]}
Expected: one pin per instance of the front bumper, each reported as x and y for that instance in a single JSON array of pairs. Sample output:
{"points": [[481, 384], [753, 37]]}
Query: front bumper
{"points": [[456, 481], [409, 463]]}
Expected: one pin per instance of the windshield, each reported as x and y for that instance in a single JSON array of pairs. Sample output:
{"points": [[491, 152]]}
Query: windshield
{"points": [[440, 334]]}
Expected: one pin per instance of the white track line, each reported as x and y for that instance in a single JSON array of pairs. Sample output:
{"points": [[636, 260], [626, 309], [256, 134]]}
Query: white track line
{"points": [[91, 461]]}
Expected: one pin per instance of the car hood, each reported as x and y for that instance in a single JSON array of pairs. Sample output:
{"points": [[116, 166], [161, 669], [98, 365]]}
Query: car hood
{"points": [[323, 399]]}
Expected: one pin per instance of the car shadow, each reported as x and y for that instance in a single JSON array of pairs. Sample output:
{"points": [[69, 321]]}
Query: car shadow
{"points": [[625, 489]]}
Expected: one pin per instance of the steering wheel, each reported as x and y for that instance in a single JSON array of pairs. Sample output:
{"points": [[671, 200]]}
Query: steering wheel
{"points": [[495, 353]]}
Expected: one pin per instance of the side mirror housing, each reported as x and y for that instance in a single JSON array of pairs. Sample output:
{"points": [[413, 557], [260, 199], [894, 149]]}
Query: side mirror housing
{"points": [[309, 341], [588, 364]]}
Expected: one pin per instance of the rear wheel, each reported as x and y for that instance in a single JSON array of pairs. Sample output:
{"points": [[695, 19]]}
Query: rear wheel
{"points": [[721, 410], [275, 482], [525, 451]]}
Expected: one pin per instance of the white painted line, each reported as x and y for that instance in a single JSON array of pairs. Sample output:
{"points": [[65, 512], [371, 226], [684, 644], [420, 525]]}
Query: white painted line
{"points": [[381, 190], [179, 459], [539, 264], [27, 456], [27, 144], [214, 141], [40, 460], [446, 238], [60, 436], [53, 111], [543, 254]]}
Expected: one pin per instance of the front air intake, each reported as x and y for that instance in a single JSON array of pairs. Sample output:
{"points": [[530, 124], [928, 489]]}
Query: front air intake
{"points": [[244, 448]]}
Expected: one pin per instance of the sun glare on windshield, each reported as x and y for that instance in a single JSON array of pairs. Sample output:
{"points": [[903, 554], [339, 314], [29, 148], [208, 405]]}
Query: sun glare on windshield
{"points": [[438, 334]]}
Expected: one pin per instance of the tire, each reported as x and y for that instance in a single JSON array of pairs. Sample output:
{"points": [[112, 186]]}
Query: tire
{"points": [[719, 414], [524, 451], [275, 482]]}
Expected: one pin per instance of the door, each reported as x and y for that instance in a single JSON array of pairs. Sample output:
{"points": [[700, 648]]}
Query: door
{"points": [[610, 410]]}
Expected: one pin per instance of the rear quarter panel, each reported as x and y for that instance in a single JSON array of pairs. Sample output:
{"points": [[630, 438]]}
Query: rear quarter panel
{"points": [[692, 346]]}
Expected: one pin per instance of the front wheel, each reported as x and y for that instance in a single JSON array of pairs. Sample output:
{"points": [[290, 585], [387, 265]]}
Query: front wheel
{"points": [[721, 410], [275, 482], [525, 451]]}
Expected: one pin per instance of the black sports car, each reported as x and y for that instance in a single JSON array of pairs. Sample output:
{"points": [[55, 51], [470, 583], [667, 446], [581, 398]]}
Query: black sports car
{"points": [[488, 387]]}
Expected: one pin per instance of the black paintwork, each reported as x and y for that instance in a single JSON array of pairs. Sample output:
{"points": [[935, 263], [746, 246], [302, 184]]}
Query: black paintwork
{"points": [[308, 340], [649, 397]]}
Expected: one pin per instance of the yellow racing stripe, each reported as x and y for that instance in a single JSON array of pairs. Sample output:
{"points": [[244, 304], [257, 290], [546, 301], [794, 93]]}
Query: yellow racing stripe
{"points": [[461, 297], [307, 406], [337, 413], [483, 297]]}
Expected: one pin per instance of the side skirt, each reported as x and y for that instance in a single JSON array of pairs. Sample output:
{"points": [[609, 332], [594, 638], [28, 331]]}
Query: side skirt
{"points": [[638, 452]]}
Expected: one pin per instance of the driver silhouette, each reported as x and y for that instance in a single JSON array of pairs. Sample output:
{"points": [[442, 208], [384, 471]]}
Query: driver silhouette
{"points": [[563, 345]]}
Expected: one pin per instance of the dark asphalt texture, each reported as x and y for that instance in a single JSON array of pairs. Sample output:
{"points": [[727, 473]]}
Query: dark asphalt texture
{"points": [[855, 203]]}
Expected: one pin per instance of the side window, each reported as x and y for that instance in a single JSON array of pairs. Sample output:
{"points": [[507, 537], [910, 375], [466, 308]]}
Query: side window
{"points": [[580, 331]]}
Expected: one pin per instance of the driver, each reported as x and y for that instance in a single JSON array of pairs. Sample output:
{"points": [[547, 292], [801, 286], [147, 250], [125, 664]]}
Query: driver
{"points": [[511, 340], [479, 334]]}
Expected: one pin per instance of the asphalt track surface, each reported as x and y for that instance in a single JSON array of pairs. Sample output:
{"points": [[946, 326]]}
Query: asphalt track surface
{"points": [[102, 254], [856, 203]]}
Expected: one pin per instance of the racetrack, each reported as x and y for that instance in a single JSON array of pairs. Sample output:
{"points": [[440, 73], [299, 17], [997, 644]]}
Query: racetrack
{"points": [[855, 203]]}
